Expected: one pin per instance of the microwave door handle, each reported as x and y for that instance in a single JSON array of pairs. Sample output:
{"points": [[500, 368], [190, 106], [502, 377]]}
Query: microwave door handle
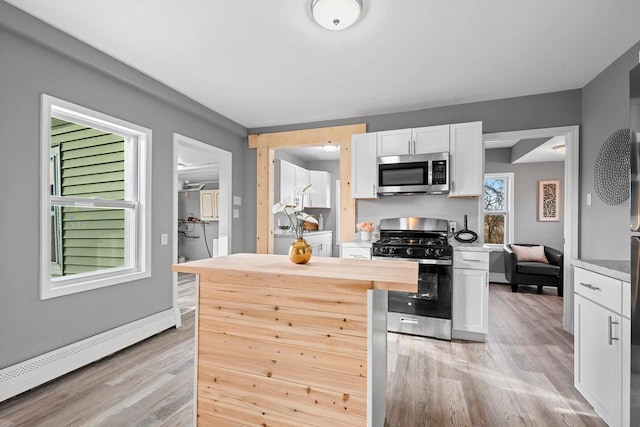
{"points": [[429, 173]]}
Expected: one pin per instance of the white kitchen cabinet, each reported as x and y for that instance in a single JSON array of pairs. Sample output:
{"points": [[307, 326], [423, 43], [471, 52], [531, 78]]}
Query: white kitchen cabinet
{"points": [[209, 200], [394, 142], [321, 184], [470, 304], [355, 250], [601, 345], [364, 167], [320, 242], [286, 181], [302, 181], [466, 151], [430, 139]]}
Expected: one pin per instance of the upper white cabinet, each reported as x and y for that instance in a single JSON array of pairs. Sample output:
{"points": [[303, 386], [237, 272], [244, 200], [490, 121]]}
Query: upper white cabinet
{"points": [[364, 167], [286, 176], [209, 205], [431, 139], [467, 159], [321, 183], [394, 142]]}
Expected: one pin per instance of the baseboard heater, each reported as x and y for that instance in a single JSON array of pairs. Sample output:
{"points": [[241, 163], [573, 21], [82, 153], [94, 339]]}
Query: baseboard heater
{"points": [[31, 373]]}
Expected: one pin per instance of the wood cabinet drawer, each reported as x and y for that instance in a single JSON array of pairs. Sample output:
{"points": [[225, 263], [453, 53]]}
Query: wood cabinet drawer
{"points": [[355, 252], [600, 289], [471, 259]]}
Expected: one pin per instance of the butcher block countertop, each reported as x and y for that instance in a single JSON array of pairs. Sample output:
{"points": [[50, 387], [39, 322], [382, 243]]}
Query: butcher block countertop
{"points": [[293, 345], [383, 274]]}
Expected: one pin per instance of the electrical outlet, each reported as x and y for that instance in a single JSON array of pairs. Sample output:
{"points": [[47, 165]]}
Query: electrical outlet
{"points": [[452, 226], [164, 239], [237, 200], [236, 213], [588, 199]]}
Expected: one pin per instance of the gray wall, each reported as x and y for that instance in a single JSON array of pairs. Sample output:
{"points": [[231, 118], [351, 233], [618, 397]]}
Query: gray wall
{"points": [[605, 109], [36, 59], [527, 228], [329, 215], [527, 112]]}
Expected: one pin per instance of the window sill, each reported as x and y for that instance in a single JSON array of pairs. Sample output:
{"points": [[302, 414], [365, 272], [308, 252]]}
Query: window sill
{"points": [[50, 290]]}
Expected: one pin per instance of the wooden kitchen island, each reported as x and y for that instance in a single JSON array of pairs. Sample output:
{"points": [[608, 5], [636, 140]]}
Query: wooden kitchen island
{"points": [[280, 344]]}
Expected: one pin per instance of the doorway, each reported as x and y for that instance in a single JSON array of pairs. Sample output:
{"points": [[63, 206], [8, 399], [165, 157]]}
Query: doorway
{"points": [[569, 195], [198, 167]]}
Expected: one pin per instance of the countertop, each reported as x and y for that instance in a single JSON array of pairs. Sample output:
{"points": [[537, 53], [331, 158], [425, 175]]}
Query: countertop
{"points": [[383, 274], [617, 269], [290, 234], [474, 247], [358, 243]]}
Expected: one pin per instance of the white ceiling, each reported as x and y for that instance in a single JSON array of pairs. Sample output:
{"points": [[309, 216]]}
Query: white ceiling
{"points": [[265, 63], [204, 166]]}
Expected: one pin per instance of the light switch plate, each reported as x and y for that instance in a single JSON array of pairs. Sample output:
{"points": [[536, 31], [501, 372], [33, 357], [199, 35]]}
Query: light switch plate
{"points": [[588, 199], [237, 200], [164, 239], [236, 213]]}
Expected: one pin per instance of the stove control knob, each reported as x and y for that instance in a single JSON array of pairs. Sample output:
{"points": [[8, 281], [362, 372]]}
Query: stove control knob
{"points": [[383, 250], [439, 252], [429, 251], [409, 251]]}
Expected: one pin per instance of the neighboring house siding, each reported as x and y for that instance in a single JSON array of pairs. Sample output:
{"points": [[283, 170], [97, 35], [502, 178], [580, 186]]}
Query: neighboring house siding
{"points": [[92, 165]]}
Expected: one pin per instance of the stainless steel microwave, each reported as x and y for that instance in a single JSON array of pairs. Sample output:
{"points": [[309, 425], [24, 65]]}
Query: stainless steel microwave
{"points": [[413, 174]]}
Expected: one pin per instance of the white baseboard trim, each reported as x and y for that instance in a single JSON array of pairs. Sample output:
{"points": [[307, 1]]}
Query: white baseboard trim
{"points": [[497, 278], [468, 336], [31, 373]]}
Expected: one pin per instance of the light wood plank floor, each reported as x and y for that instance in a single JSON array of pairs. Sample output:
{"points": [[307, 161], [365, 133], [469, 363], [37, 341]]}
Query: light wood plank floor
{"points": [[522, 376]]}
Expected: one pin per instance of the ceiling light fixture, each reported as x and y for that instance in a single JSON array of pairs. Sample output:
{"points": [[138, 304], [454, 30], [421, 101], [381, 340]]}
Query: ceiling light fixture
{"points": [[336, 14], [560, 149], [329, 148]]}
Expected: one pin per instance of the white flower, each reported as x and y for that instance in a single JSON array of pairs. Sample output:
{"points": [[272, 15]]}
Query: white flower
{"points": [[306, 217]]}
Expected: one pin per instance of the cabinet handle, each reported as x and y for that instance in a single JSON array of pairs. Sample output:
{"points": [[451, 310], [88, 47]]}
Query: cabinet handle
{"points": [[611, 337], [471, 260], [409, 147], [590, 286], [414, 147]]}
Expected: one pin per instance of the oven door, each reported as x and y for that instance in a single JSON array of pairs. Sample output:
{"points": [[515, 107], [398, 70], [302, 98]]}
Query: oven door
{"points": [[434, 295]]}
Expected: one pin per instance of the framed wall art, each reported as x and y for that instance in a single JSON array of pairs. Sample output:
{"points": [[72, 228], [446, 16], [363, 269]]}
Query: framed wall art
{"points": [[549, 200]]}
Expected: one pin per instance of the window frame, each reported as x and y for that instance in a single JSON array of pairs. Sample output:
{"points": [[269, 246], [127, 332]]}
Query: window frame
{"points": [[508, 213], [137, 203]]}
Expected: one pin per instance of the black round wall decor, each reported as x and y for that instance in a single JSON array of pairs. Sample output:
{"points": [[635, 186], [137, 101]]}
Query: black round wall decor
{"points": [[613, 168]]}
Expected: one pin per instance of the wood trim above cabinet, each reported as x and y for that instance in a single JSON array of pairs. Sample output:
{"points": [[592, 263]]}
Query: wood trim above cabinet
{"points": [[266, 143]]}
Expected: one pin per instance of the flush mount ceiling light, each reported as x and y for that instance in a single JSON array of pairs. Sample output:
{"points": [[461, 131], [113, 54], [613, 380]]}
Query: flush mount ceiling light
{"points": [[560, 149], [329, 148], [336, 14]]}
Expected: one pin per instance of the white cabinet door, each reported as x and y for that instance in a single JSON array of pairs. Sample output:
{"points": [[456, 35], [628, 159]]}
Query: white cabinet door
{"points": [[470, 305], [431, 139], [598, 358], [394, 142], [355, 252], [302, 181], [209, 205], [467, 159], [287, 181], [364, 167], [320, 183]]}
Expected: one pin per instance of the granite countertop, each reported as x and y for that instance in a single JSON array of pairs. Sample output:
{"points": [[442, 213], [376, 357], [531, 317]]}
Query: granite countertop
{"points": [[617, 269], [474, 247]]}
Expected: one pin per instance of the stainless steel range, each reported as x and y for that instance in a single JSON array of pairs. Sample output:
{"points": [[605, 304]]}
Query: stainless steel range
{"points": [[423, 240]]}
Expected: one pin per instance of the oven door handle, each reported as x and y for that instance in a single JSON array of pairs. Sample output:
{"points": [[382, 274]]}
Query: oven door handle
{"points": [[426, 296]]}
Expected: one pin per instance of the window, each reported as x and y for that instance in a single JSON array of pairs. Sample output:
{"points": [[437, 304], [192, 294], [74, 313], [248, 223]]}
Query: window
{"points": [[498, 208], [95, 225]]}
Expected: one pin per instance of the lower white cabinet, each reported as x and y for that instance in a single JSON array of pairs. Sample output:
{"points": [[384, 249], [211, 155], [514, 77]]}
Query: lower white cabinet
{"points": [[470, 304], [355, 251], [320, 242], [602, 345]]}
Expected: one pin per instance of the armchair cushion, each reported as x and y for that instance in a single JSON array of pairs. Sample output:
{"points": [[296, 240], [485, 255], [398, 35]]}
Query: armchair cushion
{"points": [[532, 267], [529, 253]]}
